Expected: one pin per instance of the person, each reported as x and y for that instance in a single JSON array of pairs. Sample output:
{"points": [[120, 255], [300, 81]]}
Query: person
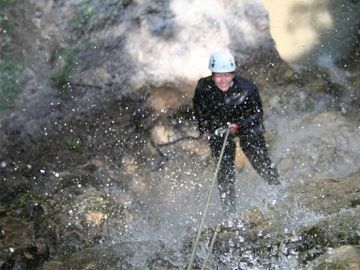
{"points": [[225, 99]]}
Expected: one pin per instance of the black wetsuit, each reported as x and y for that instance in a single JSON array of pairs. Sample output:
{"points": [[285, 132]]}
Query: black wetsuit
{"points": [[241, 105]]}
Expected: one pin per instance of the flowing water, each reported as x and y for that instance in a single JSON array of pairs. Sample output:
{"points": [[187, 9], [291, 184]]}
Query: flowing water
{"points": [[170, 214]]}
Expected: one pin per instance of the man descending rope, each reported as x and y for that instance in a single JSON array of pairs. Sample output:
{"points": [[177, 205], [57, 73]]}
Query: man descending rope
{"points": [[225, 100]]}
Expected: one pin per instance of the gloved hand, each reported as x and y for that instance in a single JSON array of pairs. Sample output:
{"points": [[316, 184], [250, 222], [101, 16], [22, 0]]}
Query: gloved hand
{"points": [[221, 131], [234, 128]]}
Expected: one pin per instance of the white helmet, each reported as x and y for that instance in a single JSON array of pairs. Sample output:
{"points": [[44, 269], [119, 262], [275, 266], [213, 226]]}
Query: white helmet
{"points": [[222, 62]]}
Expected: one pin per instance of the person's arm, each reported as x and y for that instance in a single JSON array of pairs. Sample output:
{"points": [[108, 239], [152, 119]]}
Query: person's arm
{"points": [[254, 113], [200, 111]]}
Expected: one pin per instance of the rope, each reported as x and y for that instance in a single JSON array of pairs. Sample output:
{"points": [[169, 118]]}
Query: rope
{"points": [[211, 246], [208, 200], [175, 141]]}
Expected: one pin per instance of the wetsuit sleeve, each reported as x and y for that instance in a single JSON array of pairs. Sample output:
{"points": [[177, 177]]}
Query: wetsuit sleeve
{"points": [[254, 112], [200, 110]]}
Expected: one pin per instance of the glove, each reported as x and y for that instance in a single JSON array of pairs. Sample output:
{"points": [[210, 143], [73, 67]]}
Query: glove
{"points": [[221, 131], [234, 128]]}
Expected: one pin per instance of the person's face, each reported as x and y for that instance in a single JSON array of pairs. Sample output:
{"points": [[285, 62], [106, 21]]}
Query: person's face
{"points": [[223, 80]]}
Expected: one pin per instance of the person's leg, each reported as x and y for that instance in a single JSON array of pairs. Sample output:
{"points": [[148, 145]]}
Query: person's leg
{"points": [[226, 174], [254, 146]]}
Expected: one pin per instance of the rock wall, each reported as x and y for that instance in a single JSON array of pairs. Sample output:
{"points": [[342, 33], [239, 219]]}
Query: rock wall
{"points": [[166, 38], [313, 32], [93, 150], [177, 42]]}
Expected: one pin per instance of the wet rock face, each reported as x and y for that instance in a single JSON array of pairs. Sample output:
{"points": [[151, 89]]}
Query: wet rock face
{"points": [[61, 223], [154, 42], [329, 156], [169, 97], [335, 194], [30, 257], [100, 150], [345, 257], [309, 32]]}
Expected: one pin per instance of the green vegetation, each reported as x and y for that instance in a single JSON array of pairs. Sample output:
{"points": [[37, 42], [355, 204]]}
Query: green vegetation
{"points": [[83, 14], [74, 145], [11, 65], [10, 68], [91, 13], [62, 77], [70, 64], [5, 24], [4, 3]]}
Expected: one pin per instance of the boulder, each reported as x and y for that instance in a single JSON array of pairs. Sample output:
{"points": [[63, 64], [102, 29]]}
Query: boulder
{"points": [[344, 257], [329, 196], [163, 133], [169, 97]]}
